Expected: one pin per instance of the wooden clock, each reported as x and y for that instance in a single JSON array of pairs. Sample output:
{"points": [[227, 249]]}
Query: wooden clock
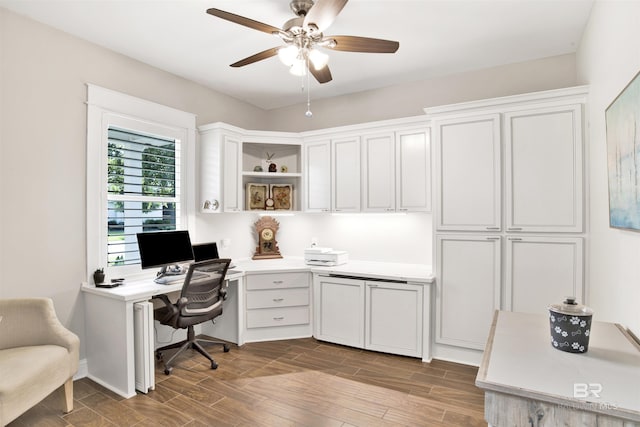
{"points": [[267, 248]]}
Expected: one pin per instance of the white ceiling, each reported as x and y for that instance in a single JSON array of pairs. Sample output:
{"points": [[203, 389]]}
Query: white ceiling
{"points": [[437, 37]]}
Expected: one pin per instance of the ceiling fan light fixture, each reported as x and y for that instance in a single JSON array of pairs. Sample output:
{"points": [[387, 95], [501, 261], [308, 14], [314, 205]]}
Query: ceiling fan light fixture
{"points": [[318, 59], [298, 68], [288, 55]]}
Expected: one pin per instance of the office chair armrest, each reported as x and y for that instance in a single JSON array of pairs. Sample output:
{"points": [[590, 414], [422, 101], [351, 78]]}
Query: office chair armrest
{"points": [[181, 303], [164, 299], [171, 308]]}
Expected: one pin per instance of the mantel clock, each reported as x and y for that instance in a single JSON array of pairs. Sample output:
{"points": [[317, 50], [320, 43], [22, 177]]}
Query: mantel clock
{"points": [[267, 248]]}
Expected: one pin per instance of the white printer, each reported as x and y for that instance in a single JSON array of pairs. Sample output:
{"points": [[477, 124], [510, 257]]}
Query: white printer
{"points": [[324, 256]]}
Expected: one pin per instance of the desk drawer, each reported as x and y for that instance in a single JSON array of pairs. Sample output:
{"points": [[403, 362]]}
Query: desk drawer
{"points": [[268, 317], [278, 298], [278, 280]]}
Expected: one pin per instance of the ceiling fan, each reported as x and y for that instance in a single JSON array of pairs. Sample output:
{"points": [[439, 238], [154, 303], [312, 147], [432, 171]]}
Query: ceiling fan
{"points": [[304, 34]]}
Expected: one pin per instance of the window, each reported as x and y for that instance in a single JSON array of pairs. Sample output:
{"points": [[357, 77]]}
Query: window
{"points": [[139, 176], [142, 172]]}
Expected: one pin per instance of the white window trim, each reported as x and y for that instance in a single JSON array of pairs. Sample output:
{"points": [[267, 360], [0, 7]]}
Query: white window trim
{"points": [[106, 107]]}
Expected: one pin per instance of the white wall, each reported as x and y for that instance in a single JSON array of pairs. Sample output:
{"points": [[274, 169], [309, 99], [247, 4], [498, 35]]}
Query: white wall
{"points": [[410, 98], [608, 58], [393, 238]]}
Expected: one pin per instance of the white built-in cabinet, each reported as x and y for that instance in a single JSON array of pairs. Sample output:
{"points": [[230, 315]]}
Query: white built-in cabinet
{"points": [[396, 171], [231, 158], [220, 170], [373, 167], [543, 169], [277, 306], [373, 314], [345, 185], [468, 288], [394, 318], [379, 172], [468, 173], [338, 309], [509, 209], [317, 190], [541, 270], [332, 181], [381, 167]]}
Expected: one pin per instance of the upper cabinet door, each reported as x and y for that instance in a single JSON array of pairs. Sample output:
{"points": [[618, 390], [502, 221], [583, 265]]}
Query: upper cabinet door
{"points": [[413, 171], [317, 166], [378, 173], [231, 149], [468, 173], [544, 171], [346, 174]]}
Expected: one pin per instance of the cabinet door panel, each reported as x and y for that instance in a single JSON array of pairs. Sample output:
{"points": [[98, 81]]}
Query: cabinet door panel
{"points": [[413, 171], [543, 150], [468, 288], [346, 174], [468, 173], [394, 318], [339, 310], [378, 173], [542, 271], [231, 178], [210, 172], [318, 176]]}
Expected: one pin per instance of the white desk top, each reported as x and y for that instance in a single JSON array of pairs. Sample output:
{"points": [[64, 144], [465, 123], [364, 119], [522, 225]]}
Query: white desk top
{"points": [[519, 360], [145, 288]]}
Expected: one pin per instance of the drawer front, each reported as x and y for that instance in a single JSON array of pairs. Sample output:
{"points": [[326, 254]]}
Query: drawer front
{"points": [[278, 298], [278, 280], [269, 317]]}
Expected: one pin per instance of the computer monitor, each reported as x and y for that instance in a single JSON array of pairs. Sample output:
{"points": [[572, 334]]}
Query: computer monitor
{"points": [[165, 249], [205, 251]]}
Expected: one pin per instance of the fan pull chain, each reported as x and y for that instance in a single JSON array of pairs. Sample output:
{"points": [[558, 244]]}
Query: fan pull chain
{"points": [[308, 113]]}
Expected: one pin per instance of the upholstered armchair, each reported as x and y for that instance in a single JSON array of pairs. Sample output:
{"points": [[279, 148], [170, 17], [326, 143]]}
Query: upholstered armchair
{"points": [[37, 356]]}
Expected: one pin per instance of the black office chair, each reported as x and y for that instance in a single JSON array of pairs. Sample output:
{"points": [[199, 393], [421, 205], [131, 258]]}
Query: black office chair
{"points": [[200, 301]]}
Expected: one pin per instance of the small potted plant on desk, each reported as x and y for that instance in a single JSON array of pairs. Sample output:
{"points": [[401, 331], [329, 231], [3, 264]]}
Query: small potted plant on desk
{"points": [[98, 276]]}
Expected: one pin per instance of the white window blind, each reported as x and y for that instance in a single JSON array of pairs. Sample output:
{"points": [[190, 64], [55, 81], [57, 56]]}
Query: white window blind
{"points": [[143, 190]]}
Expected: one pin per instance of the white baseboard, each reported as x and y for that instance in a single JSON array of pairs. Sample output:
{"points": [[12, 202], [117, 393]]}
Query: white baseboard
{"points": [[83, 370]]}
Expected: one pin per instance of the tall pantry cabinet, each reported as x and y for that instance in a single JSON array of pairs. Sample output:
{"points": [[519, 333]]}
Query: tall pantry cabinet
{"points": [[509, 211]]}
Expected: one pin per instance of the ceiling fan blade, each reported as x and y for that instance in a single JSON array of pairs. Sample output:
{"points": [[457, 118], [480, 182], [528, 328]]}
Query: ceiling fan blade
{"points": [[265, 28], [324, 12], [363, 44], [322, 75], [257, 57]]}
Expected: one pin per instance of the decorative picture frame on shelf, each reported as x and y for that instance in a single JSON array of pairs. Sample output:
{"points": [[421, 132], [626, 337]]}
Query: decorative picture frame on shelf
{"points": [[256, 195], [622, 119], [282, 195]]}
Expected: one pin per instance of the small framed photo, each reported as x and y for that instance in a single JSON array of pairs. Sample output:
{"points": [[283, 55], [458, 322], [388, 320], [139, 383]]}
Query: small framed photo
{"points": [[257, 195], [282, 195]]}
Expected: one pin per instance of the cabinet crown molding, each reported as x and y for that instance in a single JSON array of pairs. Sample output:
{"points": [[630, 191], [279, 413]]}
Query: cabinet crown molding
{"points": [[570, 95]]}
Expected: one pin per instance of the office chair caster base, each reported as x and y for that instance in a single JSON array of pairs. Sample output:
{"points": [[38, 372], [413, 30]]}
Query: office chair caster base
{"points": [[214, 365], [167, 371], [226, 348]]}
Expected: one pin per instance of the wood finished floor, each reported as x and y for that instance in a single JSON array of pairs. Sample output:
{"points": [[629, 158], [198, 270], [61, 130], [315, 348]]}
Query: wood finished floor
{"points": [[282, 383]]}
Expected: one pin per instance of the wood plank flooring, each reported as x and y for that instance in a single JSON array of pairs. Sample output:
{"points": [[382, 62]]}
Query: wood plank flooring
{"points": [[282, 383]]}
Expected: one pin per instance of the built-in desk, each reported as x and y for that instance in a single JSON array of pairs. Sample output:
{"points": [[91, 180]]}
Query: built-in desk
{"points": [[109, 317], [528, 382]]}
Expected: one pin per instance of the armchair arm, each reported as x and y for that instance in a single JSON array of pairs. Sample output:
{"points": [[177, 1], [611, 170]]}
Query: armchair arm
{"points": [[33, 321]]}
